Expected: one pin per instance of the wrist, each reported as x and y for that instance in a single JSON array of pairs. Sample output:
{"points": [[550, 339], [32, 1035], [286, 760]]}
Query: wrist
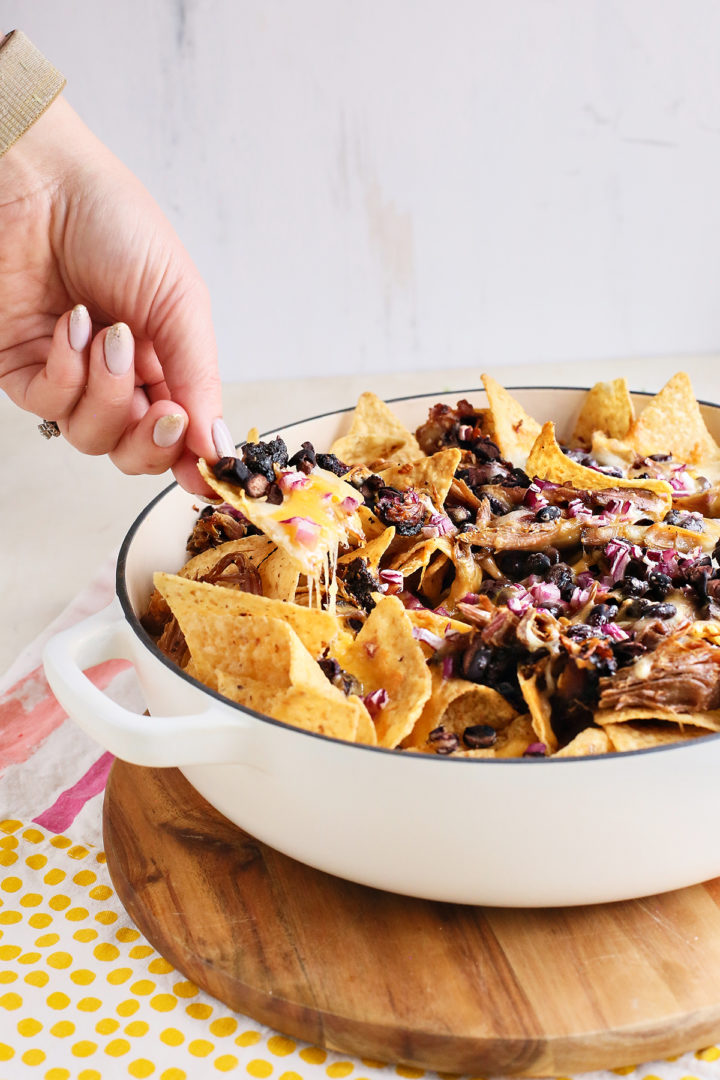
{"points": [[29, 84]]}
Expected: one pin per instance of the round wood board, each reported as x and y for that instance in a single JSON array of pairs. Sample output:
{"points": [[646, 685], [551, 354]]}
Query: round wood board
{"points": [[437, 986]]}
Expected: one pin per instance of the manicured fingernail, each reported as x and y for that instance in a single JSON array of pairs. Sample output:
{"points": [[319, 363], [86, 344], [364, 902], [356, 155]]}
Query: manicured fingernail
{"points": [[80, 328], [119, 349], [224, 445], [168, 429]]}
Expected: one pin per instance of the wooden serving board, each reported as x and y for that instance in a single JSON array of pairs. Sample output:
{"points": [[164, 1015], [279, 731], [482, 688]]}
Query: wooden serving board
{"points": [[438, 986]]}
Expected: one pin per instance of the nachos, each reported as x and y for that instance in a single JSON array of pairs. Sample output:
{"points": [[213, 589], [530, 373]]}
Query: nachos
{"points": [[482, 587]]}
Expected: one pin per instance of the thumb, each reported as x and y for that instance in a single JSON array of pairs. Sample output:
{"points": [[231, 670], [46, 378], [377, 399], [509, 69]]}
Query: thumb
{"points": [[184, 342]]}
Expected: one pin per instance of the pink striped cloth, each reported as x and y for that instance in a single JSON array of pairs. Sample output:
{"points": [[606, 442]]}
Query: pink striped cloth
{"points": [[50, 771]]}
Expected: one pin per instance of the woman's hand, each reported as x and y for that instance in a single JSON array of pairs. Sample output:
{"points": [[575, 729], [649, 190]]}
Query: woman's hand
{"points": [[105, 323]]}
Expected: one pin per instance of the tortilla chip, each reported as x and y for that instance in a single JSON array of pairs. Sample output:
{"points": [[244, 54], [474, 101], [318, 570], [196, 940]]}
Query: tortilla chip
{"points": [[607, 408], [316, 629], [456, 704], [376, 434], [333, 521], [540, 712], [431, 476], [708, 721], [372, 551], [279, 575], [322, 709], [615, 452], [386, 656], [671, 423], [420, 554], [371, 525], [433, 578], [645, 736], [591, 740], [547, 461], [513, 430], [512, 741]]}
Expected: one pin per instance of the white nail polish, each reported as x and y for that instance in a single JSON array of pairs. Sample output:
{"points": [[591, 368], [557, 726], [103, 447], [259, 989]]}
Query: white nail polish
{"points": [[168, 429], [119, 349], [80, 328], [224, 445]]}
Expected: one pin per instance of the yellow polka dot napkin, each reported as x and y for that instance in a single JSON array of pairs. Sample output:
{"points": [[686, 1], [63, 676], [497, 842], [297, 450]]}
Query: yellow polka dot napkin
{"points": [[83, 996]]}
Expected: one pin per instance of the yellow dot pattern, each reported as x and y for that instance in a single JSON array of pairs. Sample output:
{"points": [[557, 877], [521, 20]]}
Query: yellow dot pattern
{"points": [[83, 996]]}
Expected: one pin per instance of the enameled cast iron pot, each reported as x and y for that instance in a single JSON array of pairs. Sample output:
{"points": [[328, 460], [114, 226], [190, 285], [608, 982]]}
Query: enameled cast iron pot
{"points": [[521, 833]]}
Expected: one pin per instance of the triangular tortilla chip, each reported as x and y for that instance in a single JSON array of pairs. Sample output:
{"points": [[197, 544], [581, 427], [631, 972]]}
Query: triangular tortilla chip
{"points": [[547, 461], [320, 707], [315, 628], [431, 476], [376, 434], [671, 423], [607, 408], [325, 504], [373, 551], [514, 431], [626, 737], [591, 740], [386, 656], [456, 704], [708, 720]]}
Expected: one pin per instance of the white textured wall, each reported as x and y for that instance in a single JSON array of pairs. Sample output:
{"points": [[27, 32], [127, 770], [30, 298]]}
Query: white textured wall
{"points": [[393, 184]]}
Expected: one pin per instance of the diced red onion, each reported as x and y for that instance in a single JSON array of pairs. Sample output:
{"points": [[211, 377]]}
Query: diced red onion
{"points": [[545, 592], [465, 431], [577, 508], [307, 532], [612, 630], [579, 598], [349, 504], [470, 598], [442, 611], [411, 602], [289, 481], [520, 601], [439, 525], [536, 749], [375, 701], [427, 636], [391, 581], [447, 667], [534, 499], [585, 579]]}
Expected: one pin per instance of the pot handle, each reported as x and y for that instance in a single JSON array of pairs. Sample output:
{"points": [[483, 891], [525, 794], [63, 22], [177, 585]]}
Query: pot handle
{"points": [[205, 738]]}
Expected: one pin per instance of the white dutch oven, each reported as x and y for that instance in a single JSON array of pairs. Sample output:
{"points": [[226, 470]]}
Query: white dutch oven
{"points": [[521, 833]]}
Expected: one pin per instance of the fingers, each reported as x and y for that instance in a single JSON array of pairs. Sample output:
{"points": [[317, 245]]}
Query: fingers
{"points": [[154, 442], [107, 404], [57, 385], [184, 341]]}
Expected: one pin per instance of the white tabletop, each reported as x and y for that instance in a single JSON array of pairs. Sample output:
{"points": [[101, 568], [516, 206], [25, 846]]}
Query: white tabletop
{"points": [[64, 513]]}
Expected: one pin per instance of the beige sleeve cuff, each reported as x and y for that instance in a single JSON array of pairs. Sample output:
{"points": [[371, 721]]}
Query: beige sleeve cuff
{"points": [[28, 84]]}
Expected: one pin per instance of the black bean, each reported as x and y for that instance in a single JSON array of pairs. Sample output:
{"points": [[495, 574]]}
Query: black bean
{"points": [[601, 614], [659, 584], [548, 513], [637, 608], [331, 464], [673, 517], [632, 586], [579, 632], [476, 662], [479, 736], [659, 457], [518, 478], [538, 563], [232, 470], [644, 521], [660, 611], [497, 507], [443, 742], [257, 485]]}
